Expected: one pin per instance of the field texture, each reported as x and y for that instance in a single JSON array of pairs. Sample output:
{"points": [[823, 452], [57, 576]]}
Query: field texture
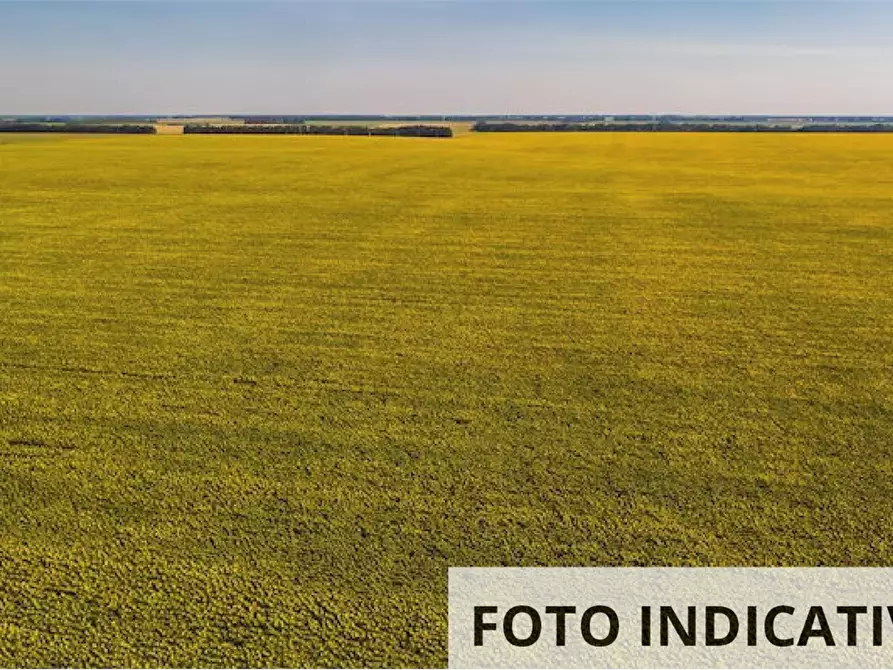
{"points": [[258, 393]]}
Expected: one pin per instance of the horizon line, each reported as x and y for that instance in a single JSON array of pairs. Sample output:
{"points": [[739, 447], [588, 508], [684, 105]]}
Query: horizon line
{"points": [[447, 114]]}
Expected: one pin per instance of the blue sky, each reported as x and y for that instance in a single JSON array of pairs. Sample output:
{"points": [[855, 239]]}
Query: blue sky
{"points": [[453, 56]]}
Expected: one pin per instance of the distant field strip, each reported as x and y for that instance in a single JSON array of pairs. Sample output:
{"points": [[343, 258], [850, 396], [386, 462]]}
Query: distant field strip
{"points": [[258, 393]]}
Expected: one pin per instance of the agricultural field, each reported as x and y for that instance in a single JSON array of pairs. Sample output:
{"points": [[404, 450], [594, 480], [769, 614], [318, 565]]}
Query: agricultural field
{"points": [[258, 393]]}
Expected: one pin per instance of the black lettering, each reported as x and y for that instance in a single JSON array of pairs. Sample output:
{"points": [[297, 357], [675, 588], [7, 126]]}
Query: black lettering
{"points": [[877, 613], [751, 626], [710, 616], [560, 612], [686, 634], [479, 625], [816, 613], [586, 626], [508, 626], [851, 622], [646, 626], [769, 626]]}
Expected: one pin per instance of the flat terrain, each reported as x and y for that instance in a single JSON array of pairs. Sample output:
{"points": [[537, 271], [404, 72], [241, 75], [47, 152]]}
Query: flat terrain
{"points": [[258, 393]]}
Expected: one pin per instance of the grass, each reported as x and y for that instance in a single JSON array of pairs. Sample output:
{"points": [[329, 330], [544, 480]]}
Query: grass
{"points": [[258, 393]]}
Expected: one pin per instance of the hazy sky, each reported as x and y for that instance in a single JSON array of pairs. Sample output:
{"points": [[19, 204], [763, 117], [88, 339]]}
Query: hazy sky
{"points": [[459, 56]]}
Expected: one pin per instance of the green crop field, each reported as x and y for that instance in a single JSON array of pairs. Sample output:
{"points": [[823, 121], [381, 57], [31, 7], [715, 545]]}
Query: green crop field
{"points": [[258, 393]]}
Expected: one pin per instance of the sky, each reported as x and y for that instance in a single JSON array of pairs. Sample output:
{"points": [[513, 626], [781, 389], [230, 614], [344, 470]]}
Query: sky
{"points": [[446, 57]]}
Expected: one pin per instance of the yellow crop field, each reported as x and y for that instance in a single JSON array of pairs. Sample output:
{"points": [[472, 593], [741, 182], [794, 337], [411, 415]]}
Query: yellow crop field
{"points": [[257, 394]]}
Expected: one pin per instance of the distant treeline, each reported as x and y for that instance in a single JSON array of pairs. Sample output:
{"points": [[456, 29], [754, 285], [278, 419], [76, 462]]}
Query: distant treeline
{"points": [[306, 129], [39, 119], [849, 128], [490, 127], [81, 120], [252, 120], [75, 128]]}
